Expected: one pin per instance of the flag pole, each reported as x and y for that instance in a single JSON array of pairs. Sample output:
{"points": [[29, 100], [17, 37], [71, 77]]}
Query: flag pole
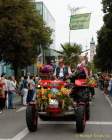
{"points": [[69, 35]]}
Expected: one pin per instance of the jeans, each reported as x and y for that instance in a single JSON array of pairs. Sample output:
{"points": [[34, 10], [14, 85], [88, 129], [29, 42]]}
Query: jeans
{"points": [[24, 94], [10, 100]]}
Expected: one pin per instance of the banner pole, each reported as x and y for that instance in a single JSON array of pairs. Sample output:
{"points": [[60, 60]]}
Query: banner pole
{"points": [[69, 36]]}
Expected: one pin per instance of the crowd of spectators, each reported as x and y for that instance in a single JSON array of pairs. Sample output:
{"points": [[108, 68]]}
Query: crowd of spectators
{"points": [[105, 83], [10, 88]]}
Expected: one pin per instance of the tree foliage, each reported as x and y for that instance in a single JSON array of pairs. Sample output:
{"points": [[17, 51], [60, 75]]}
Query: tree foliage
{"points": [[71, 53], [103, 58], [22, 30]]}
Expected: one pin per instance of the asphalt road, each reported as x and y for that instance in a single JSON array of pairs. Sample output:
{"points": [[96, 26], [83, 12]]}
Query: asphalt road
{"points": [[13, 125]]}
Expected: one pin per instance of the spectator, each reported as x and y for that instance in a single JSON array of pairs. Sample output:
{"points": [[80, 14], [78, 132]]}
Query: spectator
{"points": [[101, 81], [110, 86], [24, 90], [11, 92], [20, 88], [5, 88], [2, 96], [31, 89], [106, 84]]}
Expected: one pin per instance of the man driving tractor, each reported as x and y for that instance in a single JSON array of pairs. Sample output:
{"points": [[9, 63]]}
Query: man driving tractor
{"points": [[62, 71]]}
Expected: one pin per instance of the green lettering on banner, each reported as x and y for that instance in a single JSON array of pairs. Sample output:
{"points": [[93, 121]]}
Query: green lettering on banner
{"points": [[80, 21]]}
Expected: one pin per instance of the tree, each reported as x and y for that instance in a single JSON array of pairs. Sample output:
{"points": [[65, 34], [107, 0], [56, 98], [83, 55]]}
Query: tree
{"points": [[71, 53], [22, 30], [103, 58]]}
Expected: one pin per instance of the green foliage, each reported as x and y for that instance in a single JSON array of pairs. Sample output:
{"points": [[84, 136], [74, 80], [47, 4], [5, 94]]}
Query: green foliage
{"points": [[71, 53], [103, 58], [107, 6], [21, 30]]}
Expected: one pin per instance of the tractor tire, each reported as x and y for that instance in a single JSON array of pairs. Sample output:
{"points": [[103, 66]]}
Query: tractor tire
{"points": [[80, 119], [31, 118]]}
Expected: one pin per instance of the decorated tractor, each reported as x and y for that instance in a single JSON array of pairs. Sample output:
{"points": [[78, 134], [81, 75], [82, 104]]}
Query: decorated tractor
{"points": [[61, 100]]}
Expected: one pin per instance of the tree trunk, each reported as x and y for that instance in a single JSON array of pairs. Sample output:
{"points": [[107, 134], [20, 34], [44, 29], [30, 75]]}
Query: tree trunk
{"points": [[16, 73]]}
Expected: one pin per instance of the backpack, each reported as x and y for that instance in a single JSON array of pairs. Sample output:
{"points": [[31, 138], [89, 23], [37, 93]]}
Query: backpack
{"points": [[24, 84]]}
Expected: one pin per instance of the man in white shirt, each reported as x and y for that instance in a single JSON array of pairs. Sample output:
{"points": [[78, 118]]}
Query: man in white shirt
{"points": [[62, 71]]}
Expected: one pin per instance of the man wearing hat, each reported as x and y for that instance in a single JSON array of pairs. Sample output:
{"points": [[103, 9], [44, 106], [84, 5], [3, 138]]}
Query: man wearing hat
{"points": [[62, 71]]}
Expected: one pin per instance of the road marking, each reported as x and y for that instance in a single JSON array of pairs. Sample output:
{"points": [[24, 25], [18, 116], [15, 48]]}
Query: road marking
{"points": [[5, 139], [99, 123], [109, 101], [21, 135], [73, 122], [21, 109]]}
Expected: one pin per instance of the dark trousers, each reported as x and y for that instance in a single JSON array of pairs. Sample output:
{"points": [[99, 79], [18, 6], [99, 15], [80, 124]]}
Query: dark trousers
{"points": [[30, 95], [5, 98], [2, 103]]}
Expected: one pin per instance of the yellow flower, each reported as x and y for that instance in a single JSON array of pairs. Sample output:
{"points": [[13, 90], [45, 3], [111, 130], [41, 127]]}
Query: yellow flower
{"points": [[49, 95], [43, 91], [59, 93]]}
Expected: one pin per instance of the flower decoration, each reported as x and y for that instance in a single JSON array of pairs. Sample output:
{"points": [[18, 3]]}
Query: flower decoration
{"points": [[46, 69], [62, 95]]}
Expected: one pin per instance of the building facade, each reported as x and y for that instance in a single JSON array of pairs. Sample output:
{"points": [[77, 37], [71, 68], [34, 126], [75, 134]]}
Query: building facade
{"points": [[50, 22]]}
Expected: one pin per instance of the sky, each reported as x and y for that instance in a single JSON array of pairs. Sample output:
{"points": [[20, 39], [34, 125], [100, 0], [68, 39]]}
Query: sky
{"points": [[60, 11]]}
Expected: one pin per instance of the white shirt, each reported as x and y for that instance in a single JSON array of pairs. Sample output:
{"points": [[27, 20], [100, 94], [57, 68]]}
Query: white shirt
{"points": [[11, 85], [61, 74]]}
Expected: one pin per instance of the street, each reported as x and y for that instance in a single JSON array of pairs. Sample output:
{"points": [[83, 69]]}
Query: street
{"points": [[13, 125]]}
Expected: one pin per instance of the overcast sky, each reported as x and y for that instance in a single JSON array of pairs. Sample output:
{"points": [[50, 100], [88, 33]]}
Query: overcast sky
{"points": [[60, 11]]}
